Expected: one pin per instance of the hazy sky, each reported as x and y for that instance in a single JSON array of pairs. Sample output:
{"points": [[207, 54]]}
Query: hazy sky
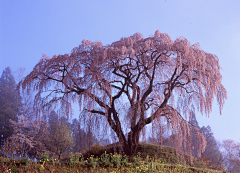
{"points": [[30, 28]]}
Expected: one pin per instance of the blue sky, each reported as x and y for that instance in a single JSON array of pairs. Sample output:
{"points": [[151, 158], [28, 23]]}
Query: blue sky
{"points": [[29, 28]]}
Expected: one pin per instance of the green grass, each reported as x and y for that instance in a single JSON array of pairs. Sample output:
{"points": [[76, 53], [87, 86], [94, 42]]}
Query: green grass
{"points": [[150, 158], [166, 154]]}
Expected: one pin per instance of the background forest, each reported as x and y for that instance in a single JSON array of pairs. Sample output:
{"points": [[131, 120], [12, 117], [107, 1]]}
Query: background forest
{"points": [[52, 134]]}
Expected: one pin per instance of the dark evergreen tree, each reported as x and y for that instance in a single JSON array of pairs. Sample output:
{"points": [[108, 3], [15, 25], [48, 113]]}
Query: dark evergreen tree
{"points": [[10, 104], [81, 138], [212, 150], [193, 123], [53, 120]]}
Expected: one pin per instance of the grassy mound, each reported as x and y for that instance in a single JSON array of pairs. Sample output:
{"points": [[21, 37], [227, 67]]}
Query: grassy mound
{"points": [[150, 158], [165, 154]]}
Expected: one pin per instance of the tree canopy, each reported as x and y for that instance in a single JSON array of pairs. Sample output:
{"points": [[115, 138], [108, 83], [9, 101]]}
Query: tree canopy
{"points": [[59, 140], [30, 134], [156, 77]]}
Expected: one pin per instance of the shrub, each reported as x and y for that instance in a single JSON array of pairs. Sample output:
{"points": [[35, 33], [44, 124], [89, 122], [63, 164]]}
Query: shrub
{"points": [[116, 160], [51, 159], [25, 161], [95, 150], [125, 160], [137, 159], [44, 157], [93, 161], [78, 157], [105, 159], [147, 160]]}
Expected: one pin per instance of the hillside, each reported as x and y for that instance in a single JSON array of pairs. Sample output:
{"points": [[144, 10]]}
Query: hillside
{"points": [[150, 158], [166, 155]]}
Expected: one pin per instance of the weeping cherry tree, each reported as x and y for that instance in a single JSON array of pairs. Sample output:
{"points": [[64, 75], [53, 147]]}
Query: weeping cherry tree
{"points": [[156, 76]]}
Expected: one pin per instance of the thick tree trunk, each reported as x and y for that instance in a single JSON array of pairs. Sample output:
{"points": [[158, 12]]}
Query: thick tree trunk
{"points": [[131, 145]]}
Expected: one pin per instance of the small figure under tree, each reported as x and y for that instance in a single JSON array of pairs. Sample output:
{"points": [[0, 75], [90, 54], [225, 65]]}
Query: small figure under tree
{"points": [[156, 76]]}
